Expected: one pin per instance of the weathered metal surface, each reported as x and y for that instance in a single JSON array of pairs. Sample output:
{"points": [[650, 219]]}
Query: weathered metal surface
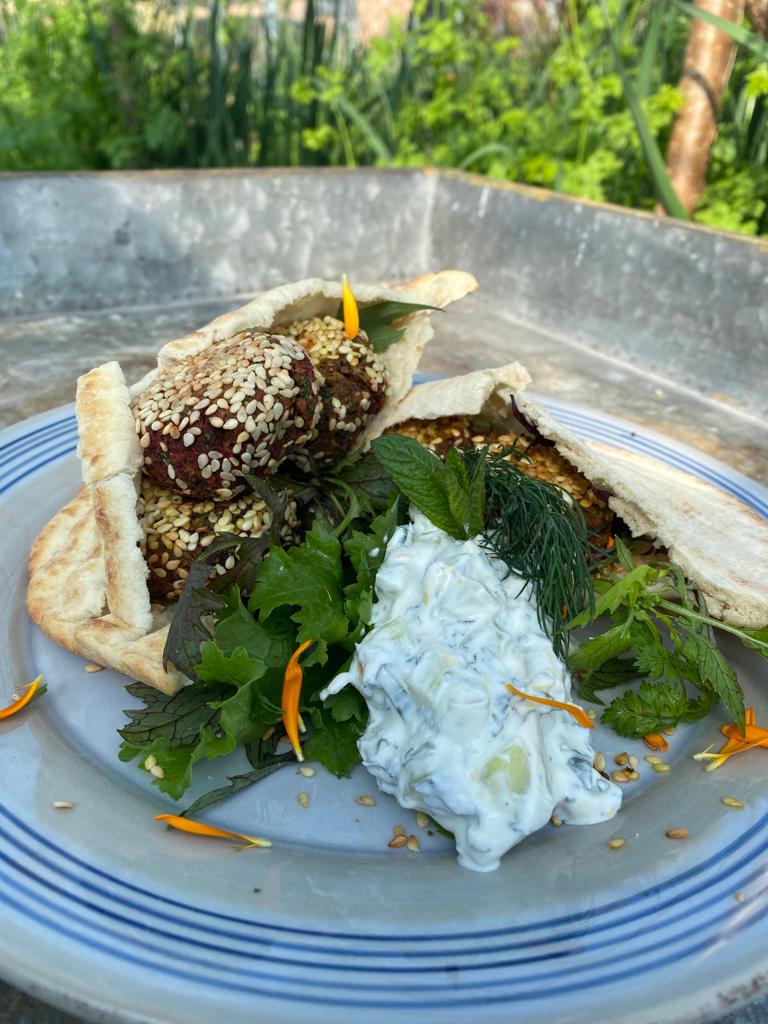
{"points": [[663, 324]]}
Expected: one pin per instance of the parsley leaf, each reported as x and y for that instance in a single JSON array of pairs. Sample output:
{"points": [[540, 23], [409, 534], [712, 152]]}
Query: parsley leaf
{"points": [[309, 578], [334, 743], [654, 706]]}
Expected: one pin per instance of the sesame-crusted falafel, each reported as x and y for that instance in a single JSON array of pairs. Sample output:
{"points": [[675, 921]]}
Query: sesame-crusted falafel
{"points": [[354, 388], [177, 529], [542, 461], [238, 406]]}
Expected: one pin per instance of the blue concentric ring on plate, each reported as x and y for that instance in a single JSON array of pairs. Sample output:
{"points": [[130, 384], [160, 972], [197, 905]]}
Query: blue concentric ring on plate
{"points": [[102, 913]]}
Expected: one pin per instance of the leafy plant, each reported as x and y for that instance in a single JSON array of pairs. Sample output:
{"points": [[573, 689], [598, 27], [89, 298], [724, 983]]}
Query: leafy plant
{"points": [[585, 109]]}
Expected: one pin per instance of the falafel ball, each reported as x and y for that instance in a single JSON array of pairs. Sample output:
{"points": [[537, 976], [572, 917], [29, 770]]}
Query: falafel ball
{"points": [[241, 405], [542, 461], [354, 388], [177, 529]]}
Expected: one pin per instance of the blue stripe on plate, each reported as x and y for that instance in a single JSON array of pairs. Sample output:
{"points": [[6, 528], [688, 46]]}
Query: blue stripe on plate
{"points": [[48, 445], [633, 970], [720, 859]]}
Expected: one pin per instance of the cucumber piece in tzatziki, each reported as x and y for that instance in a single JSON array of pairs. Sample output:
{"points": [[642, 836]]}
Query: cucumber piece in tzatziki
{"points": [[450, 627]]}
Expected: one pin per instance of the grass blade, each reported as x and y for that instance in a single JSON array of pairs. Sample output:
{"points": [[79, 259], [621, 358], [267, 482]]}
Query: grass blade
{"points": [[650, 51], [738, 33], [657, 168]]}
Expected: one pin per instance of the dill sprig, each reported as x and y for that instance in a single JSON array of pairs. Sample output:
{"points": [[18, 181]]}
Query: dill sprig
{"points": [[540, 534]]}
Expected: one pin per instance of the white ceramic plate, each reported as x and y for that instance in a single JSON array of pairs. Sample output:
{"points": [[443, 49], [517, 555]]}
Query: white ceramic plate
{"points": [[105, 912]]}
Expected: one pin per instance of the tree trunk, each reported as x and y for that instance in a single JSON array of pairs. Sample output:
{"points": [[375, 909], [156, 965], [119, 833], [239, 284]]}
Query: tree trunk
{"points": [[708, 61], [757, 12]]}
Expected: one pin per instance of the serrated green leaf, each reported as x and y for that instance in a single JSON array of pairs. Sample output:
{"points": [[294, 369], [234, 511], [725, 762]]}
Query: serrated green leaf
{"points": [[347, 704], [334, 744], [624, 590], [178, 718], [308, 578], [236, 784], [418, 473], [714, 671], [593, 653], [378, 319], [653, 706], [238, 668], [612, 673]]}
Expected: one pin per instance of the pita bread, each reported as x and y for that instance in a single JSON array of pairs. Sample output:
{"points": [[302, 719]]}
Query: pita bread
{"points": [[88, 578], [719, 542]]}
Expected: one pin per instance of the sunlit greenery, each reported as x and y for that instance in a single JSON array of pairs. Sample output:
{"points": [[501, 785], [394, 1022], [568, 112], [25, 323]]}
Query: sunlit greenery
{"points": [[98, 84]]}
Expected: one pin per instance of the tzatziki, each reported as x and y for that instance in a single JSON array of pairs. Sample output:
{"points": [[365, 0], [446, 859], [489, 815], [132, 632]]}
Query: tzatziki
{"points": [[449, 629]]}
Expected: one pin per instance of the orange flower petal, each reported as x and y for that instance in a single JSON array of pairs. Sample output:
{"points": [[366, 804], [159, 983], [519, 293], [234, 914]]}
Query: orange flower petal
{"points": [[655, 741], [351, 312], [573, 709], [199, 828], [737, 741], [22, 702], [292, 680]]}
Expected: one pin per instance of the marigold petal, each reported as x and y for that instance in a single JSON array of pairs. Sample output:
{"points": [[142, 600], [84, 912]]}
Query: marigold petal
{"points": [[292, 680], [22, 702], [573, 709], [655, 741], [351, 312], [199, 828]]}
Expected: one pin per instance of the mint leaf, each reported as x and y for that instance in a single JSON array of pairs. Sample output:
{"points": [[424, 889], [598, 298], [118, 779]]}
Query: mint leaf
{"points": [[418, 473], [377, 321]]}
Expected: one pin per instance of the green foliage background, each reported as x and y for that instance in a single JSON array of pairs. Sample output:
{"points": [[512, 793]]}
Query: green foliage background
{"points": [[101, 84]]}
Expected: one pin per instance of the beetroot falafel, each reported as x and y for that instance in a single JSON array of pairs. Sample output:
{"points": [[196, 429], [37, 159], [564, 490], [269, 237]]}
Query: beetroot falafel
{"points": [[239, 406], [354, 388]]}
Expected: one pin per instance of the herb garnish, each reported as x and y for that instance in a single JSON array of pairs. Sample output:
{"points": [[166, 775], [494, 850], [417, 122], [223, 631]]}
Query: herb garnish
{"points": [[378, 320], [663, 634], [531, 525]]}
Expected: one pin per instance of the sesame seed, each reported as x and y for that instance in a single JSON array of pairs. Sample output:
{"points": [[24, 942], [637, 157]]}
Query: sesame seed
{"points": [[399, 830], [306, 771], [422, 820], [413, 844], [188, 439], [93, 667], [365, 801], [150, 762], [661, 767], [157, 771], [731, 801], [616, 844], [303, 799], [557, 822], [63, 805]]}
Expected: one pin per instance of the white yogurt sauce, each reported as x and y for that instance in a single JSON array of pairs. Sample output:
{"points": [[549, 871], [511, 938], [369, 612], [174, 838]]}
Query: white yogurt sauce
{"points": [[445, 736]]}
